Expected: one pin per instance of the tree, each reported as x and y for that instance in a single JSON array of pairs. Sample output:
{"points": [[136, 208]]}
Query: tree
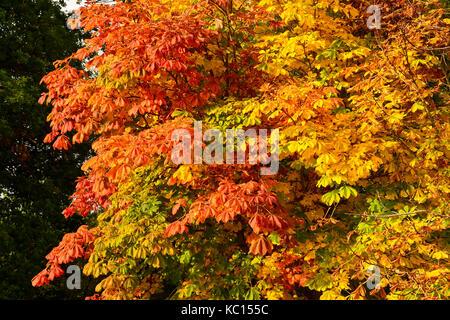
{"points": [[35, 180], [363, 122]]}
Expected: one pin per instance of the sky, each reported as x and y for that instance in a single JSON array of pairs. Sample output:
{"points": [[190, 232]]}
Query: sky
{"points": [[71, 5], [75, 4]]}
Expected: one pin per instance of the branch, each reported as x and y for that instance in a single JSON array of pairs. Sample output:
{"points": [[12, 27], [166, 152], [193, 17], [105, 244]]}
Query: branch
{"points": [[397, 214]]}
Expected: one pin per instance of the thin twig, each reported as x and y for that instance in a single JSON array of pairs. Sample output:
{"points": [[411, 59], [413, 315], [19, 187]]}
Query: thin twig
{"points": [[385, 215]]}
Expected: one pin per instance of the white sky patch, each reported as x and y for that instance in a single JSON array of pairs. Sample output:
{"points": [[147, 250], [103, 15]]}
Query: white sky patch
{"points": [[73, 5]]}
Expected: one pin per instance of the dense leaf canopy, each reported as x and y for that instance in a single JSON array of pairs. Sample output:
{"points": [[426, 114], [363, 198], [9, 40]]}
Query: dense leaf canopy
{"points": [[362, 116]]}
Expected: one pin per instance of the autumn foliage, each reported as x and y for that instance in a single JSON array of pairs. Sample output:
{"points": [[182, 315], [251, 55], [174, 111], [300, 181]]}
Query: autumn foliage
{"points": [[363, 122]]}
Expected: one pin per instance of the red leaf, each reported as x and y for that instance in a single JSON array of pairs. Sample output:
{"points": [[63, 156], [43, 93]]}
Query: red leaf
{"points": [[260, 246], [258, 223], [174, 228]]}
